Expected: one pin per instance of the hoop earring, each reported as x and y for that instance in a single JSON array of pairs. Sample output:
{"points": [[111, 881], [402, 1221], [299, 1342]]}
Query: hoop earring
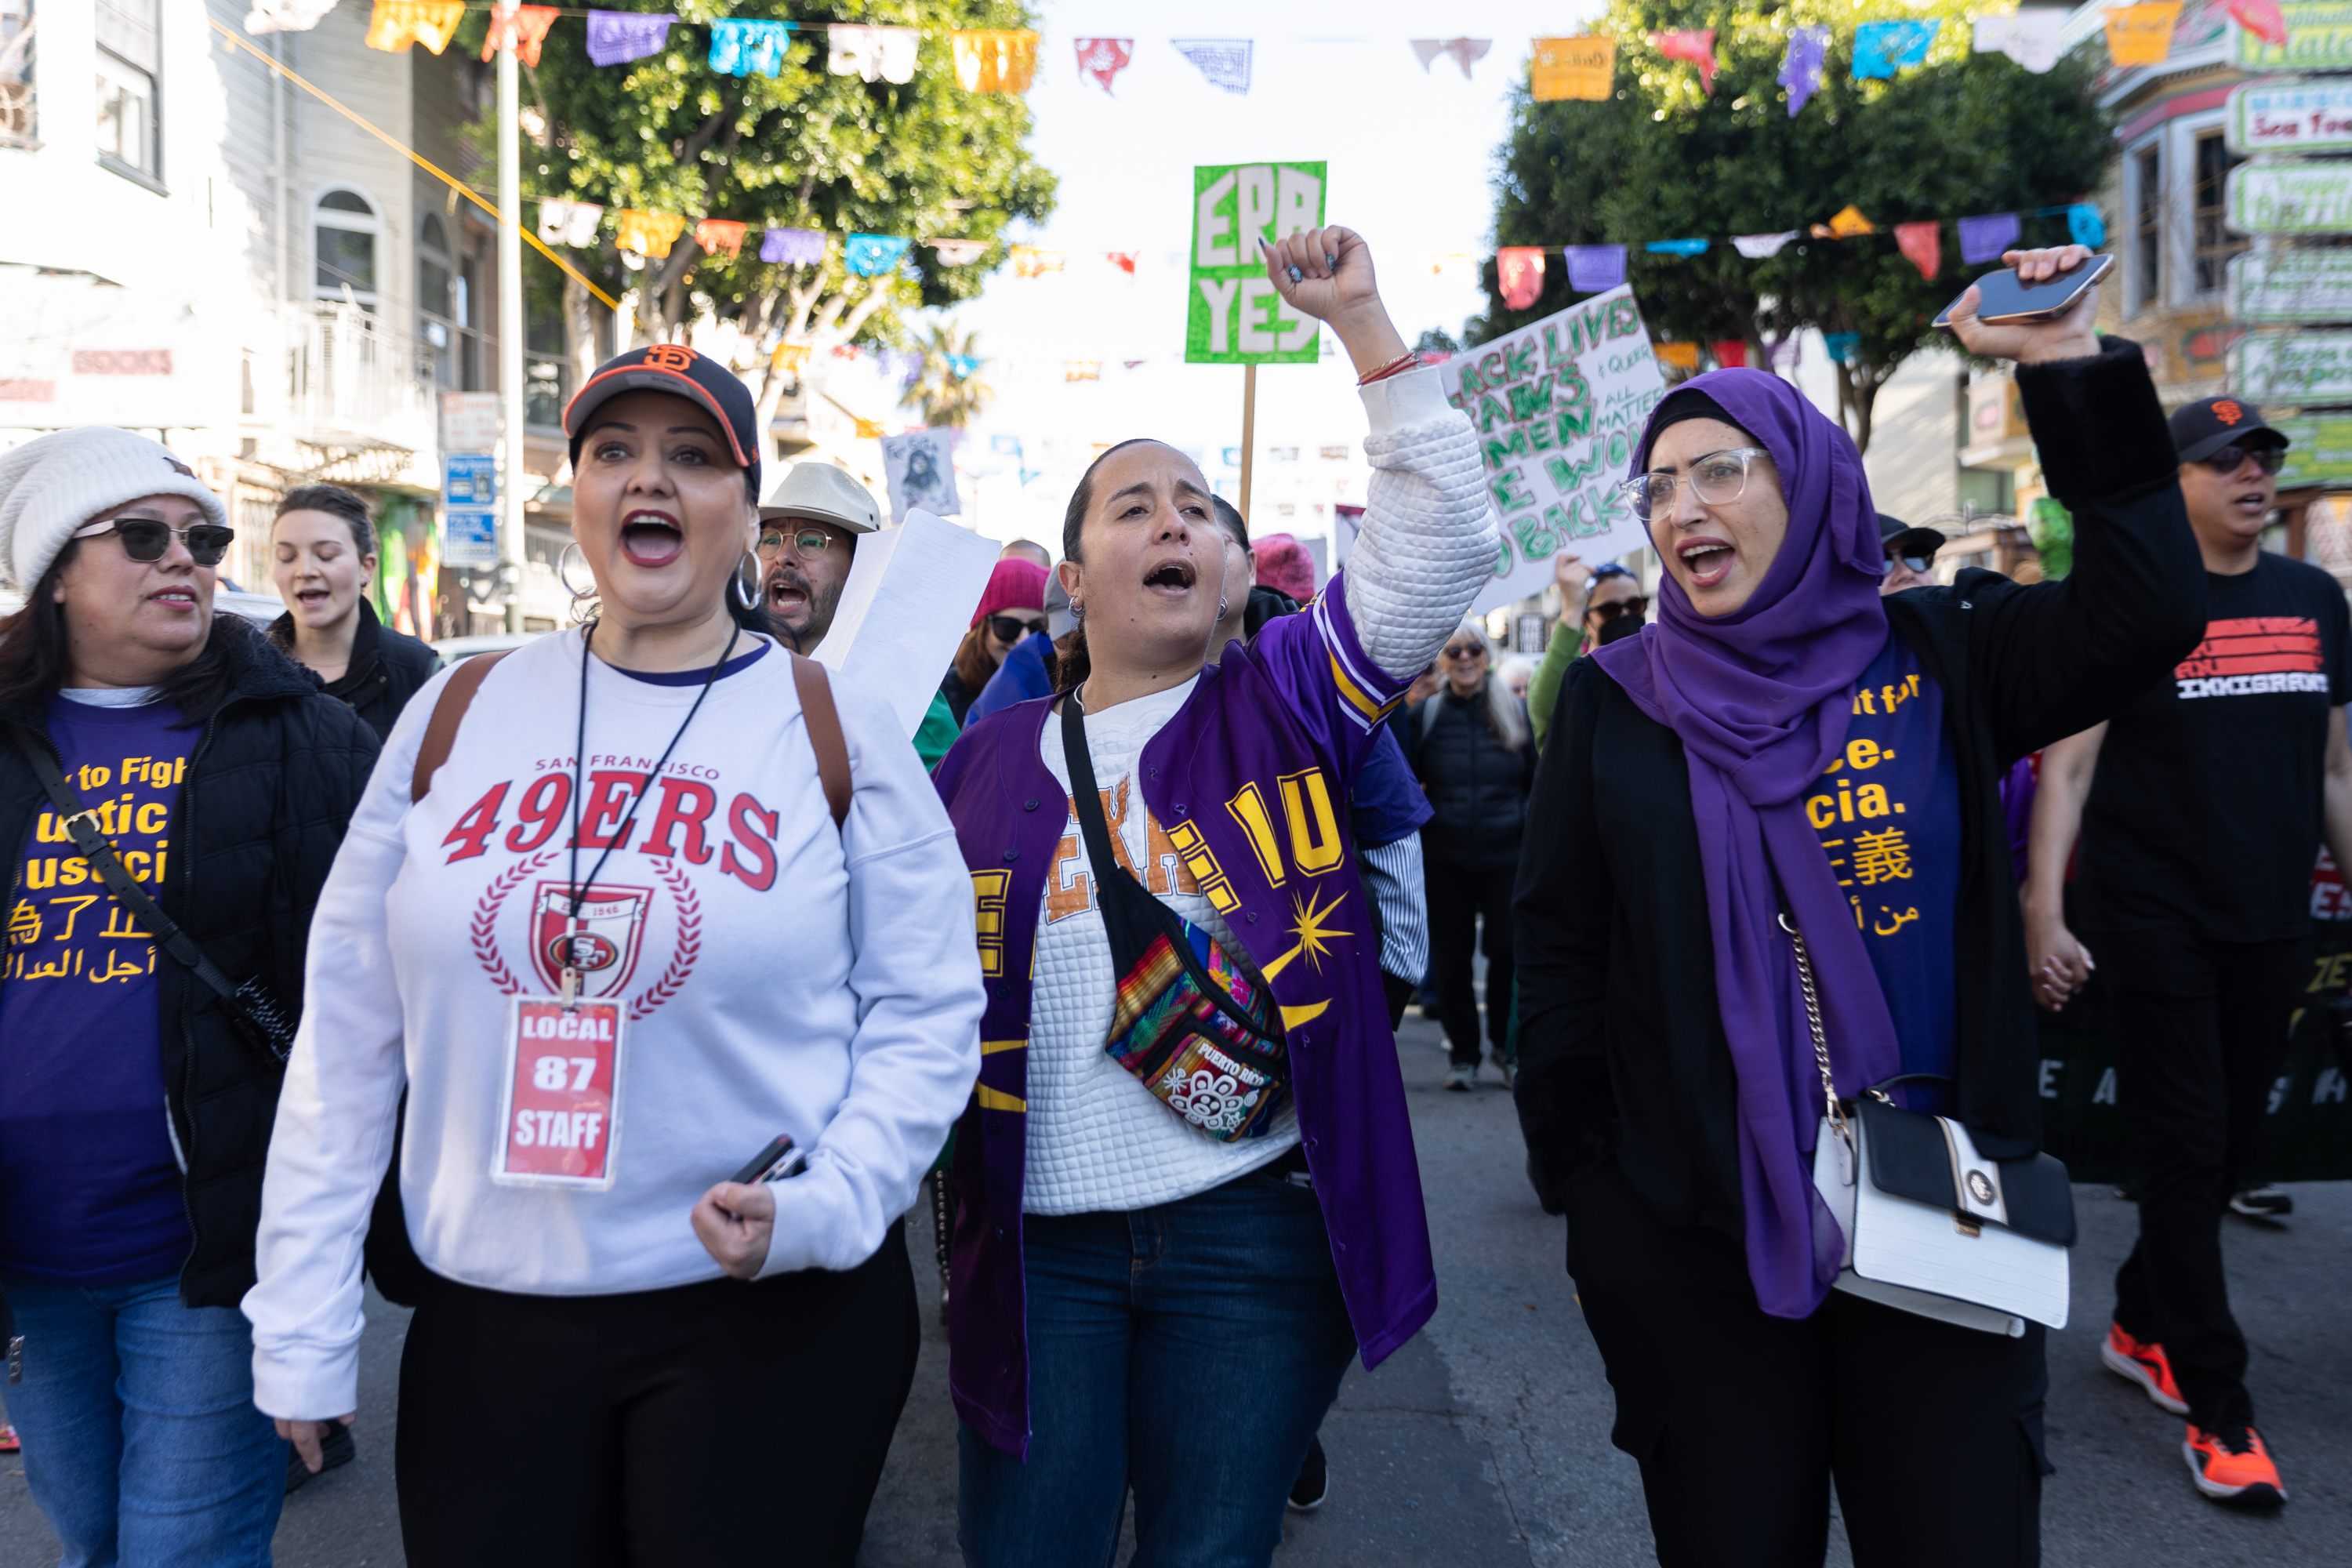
{"points": [[563, 575], [1077, 612], [747, 588]]}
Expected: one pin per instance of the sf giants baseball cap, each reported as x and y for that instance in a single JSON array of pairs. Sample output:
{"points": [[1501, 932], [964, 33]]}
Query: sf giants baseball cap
{"points": [[2201, 428], [677, 369]]}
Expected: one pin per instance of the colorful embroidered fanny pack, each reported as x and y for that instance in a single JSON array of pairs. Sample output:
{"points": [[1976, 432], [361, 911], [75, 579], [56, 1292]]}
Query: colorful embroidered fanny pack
{"points": [[1189, 1024]]}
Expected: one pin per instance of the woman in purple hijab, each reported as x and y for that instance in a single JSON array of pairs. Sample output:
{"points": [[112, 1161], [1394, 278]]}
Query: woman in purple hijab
{"points": [[1782, 738]]}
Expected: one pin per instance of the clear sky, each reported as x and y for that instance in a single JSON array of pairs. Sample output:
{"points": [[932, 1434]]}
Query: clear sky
{"points": [[1412, 156]]}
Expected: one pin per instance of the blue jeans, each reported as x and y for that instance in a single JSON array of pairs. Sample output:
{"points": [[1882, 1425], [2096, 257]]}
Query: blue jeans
{"points": [[142, 1443], [1191, 1349]]}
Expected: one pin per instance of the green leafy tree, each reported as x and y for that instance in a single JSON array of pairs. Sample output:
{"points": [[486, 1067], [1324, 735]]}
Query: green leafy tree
{"points": [[804, 149], [946, 394], [1662, 159]]}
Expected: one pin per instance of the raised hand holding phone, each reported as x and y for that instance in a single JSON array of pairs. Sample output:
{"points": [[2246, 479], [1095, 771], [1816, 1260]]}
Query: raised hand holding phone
{"points": [[2070, 335]]}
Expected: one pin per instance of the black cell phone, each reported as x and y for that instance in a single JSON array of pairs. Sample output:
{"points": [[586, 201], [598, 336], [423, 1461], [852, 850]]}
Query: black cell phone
{"points": [[772, 1163], [2005, 299]]}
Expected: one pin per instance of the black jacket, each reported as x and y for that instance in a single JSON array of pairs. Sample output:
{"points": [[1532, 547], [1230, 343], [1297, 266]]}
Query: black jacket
{"points": [[1477, 787], [1621, 1050], [271, 785], [386, 669]]}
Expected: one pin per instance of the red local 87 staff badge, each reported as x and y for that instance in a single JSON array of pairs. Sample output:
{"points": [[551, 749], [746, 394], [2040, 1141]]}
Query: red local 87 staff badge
{"points": [[561, 1106]]}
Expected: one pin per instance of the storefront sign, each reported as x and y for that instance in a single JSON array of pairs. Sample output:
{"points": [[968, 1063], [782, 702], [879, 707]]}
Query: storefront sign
{"points": [[2318, 38], [2293, 367], [2289, 287], [2291, 117], [2319, 451], [469, 537], [2291, 198]]}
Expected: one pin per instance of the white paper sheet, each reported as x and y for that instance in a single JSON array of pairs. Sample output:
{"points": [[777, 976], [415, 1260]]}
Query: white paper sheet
{"points": [[908, 601]]}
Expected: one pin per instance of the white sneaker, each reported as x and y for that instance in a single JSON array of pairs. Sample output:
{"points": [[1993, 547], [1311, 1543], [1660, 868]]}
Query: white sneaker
{"points": [[1462, 1079]]}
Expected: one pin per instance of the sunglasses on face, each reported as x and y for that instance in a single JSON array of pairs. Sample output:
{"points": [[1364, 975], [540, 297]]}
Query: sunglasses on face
{"points": [[145, 539], [1464, 650], [1633, 607], [1013, 628], [1917, 562], [2269, 459], [809, 543]]}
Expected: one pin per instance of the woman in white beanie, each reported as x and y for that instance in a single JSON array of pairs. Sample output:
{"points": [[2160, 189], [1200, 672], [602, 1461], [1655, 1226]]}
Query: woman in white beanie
{"points": [[135, 1098]]}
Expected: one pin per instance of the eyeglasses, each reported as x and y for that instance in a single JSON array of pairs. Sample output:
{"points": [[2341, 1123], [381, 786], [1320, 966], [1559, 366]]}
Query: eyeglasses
{"points": [[1464, 650], [1610, 612], [1919, 564], [145, 539], [2269, 459], [809, 543], [1013, 628], [1717, 477]]}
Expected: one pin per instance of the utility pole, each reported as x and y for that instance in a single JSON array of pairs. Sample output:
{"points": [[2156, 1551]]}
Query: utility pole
{"points": [[512, 334]]}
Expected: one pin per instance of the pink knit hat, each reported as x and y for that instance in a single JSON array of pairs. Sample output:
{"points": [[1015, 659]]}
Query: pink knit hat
{"points": [[1016, 584], [1284, 564]]}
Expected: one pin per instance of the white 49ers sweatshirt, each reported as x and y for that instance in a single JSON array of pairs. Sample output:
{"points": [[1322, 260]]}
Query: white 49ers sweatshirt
{"points": [[776, 977]]}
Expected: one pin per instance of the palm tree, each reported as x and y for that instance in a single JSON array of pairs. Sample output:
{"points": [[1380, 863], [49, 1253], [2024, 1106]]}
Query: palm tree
{"points": [[948, 389]]}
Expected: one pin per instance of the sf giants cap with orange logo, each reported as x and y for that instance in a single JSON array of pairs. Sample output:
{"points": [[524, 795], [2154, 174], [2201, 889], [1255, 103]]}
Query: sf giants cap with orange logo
{"points": [[680, 370], [2201, 428]]}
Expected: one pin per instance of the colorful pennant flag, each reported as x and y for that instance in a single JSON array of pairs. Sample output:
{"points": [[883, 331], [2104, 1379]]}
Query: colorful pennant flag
{"points": [[958, 252], [1594, 268], [1581, 69], [1682, 356], [995, 59], [1104, 59], [1983, 238], [1800, 66], [2262, 18], [2087, 226], [1223, 62], [616, 37], [1518, 270], [738, 48], [1847, 225], [396, 24], [1124, 260], [524, 26], [790, 357], [1697, 46], [568, 222], [964, 367], [2030, 38], [1922, 245], [793, 247], [1133, 364], [1842, 345], [1676, 248], [877, 54], [1762, 246], [868, 429], [1466, 52], [1082, 370], [643, 233], [1783, 354], [2141, 35], [1880, 49], [720, 237], [872, 255], [1034, 261], [1730, 353]]}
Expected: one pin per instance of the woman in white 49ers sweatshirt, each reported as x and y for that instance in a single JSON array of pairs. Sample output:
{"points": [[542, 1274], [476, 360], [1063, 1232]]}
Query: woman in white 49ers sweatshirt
{"points": [[617, 947]]}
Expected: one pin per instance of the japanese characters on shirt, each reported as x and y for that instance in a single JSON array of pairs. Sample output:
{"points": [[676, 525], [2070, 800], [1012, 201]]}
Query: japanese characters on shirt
{"points": [[63, 924]]}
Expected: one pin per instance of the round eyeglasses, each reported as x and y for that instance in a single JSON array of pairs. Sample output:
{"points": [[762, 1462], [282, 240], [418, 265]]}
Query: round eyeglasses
{"points": [[808, 543], [1717, 477]]}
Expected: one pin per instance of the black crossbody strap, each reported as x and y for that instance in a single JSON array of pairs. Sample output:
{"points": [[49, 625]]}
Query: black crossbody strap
{"points": [[80, 823], [1124, 900]]}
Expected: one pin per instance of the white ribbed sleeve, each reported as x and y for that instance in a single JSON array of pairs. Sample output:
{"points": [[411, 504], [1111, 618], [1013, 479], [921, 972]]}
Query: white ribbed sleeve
{"points": [[1429, 535]]}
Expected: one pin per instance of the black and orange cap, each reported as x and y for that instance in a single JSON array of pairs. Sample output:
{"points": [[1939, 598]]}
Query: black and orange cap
{"points": [[677, 369], [2201, 428]]}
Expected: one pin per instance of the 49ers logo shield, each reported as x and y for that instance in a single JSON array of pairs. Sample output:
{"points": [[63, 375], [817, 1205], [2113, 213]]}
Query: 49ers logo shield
{"points": [[601, 942]]}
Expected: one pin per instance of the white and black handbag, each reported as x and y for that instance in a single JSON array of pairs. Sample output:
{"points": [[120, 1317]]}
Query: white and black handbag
{"points": [[1931, 1225]]}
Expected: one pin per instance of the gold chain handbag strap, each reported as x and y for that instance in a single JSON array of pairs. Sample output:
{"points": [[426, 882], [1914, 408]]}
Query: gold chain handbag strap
{"points": [[1813, 1022]]}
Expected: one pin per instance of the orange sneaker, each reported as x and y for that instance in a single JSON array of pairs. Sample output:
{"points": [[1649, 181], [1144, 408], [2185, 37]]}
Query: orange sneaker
{"points": [[2230, 1463], [2143, 1362]]}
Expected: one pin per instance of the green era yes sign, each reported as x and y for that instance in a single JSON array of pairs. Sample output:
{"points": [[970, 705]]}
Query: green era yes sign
{"points": [[1235, 317]]}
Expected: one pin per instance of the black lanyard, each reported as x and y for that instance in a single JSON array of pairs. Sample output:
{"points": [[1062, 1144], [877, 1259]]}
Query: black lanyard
{"points": [[579, 889]]}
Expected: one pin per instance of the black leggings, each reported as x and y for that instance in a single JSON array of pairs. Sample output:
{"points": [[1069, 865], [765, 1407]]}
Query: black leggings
{"points": [[1932, 1433], [713, 1423]]}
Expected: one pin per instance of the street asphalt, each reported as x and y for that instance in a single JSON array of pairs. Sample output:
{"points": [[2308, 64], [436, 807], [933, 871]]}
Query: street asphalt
{"points": [[1485, 1440]]}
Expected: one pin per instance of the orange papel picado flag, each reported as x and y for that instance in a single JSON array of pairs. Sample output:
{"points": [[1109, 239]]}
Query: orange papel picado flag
{"points": [[995, 59], [1573, 68], [719, 237], [1848, 225], [644, 233], [2141, 35], [1682, 356], [527, 25], [396, 24]]}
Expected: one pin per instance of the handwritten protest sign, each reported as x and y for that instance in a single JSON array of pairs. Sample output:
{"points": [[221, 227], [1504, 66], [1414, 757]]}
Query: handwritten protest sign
{"points": [[1558, 405], [1235, 316]]}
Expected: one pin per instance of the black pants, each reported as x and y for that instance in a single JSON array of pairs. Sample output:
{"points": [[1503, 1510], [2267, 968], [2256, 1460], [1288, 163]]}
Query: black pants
{"points": [[1932, 1433], [1456, 900], [2200, 1031], [725, 1422]]}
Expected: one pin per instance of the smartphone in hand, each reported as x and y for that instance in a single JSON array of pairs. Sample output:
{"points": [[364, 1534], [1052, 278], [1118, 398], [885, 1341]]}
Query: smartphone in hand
{"points": [[779, 1159], [2005, 299]]}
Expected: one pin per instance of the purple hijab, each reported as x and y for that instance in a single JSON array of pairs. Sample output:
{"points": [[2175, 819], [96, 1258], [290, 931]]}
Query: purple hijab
{"points": [[1760, 699]]}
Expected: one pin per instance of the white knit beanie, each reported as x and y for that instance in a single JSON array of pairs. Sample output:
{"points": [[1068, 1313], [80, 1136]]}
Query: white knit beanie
{"points": [[53, 484]]}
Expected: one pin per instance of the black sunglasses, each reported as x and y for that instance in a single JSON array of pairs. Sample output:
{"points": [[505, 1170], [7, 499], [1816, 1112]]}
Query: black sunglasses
{"points": [[1917, 562], [1632, 606], [1466, 650], [2268, 458], [1011, 628], [144, 539]]}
